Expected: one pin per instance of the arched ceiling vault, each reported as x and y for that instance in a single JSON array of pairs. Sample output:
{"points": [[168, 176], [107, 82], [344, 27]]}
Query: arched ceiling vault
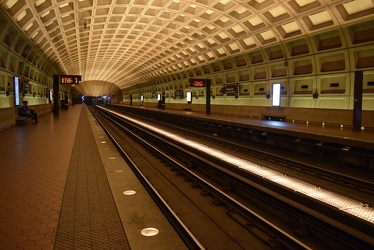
{"points": [[129, 42], [96, 88]]}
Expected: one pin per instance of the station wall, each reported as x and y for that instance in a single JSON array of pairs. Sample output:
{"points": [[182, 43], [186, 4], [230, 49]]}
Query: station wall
{"points": [[19, 57], [316, 72]]}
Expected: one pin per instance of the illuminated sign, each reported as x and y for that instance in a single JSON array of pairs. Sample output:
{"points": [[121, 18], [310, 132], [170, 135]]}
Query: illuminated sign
{"points": [[16, 91], [70, 79], [198, 82], [178, 95], [231, 90], [277, 94], [26, 87], [189, 96]]}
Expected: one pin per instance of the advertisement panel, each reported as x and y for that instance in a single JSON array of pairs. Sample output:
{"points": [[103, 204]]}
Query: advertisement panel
{"points": [[277, 94], [16, 91]]}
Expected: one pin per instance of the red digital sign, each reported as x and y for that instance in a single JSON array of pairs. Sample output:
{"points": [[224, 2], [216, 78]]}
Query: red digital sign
{"points": [[70, 79], [198, 82]]}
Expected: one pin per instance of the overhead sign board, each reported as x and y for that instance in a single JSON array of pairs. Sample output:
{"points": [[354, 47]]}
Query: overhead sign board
{"points": [[198, 82], [70, 79]]}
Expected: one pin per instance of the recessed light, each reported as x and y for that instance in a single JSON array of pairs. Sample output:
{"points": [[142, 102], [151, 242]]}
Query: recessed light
{"points": [[150, 231]]}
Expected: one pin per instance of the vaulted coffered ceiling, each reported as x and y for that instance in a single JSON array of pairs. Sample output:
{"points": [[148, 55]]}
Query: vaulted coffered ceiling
{"points": [[128, 42]]}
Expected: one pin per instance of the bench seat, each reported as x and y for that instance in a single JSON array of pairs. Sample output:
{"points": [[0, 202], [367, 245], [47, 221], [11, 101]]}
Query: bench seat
{"points": [[22, 119], [275, 117]]}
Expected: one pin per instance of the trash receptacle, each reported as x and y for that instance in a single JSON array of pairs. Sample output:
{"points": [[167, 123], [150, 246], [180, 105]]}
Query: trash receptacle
{"points": [[64, 105]]}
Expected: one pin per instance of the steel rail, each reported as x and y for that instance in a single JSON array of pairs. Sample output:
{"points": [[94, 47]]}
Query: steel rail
{"points": [[139, 128], [187, 236], [281, 235]]}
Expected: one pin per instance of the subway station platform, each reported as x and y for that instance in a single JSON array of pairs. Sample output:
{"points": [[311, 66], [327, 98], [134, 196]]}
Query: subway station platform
{"points": [[62, 186], [333, 133]]}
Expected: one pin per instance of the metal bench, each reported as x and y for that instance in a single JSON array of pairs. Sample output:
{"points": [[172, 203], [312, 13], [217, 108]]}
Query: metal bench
{"points": [[22, 119], [274, 117]]}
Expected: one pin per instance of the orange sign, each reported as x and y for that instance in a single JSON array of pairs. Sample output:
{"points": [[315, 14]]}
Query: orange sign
{"points": [[70, 79]]}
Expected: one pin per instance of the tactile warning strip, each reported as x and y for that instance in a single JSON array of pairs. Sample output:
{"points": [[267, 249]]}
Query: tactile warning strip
{"points": [[89, 218]]}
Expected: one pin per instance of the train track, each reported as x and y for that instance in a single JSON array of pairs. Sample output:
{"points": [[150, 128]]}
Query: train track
{"points": [[302, 166], [220, 205]]}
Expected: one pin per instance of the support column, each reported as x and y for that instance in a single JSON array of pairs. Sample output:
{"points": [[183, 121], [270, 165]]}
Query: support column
{"points": [[207, 91], [56, 101], [66, 101], [163, 99], [357, 103]]}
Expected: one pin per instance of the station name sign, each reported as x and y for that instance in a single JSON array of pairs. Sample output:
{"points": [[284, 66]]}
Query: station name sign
{"points": [[231, 90], [178, 95], [70, 79]]}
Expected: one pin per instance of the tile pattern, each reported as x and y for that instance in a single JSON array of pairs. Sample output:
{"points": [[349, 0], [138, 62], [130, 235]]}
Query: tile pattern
{"points": [[34, 163], [89, 218], [161, 39], [34, 167]]}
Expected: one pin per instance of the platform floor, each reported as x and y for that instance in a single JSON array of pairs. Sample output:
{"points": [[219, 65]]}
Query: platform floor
{"points": [[333, 133], [62, 186], [35, 160]]}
